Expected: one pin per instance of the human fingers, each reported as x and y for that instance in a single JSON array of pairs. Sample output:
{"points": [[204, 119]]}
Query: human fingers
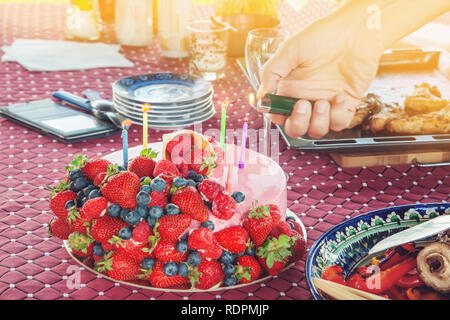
{"points": [[320, 119], [343, 108], [298, 122], [278, 119]]}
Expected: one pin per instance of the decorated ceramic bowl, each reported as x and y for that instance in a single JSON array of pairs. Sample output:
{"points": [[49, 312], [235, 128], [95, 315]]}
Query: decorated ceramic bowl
{"points": [[351, 240]]}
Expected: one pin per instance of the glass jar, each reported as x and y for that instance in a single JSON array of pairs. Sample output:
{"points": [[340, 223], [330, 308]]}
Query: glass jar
{"points": [[81, 21], [134, 22]]}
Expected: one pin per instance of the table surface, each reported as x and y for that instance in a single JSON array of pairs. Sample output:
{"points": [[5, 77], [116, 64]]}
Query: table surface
{"points": [[36, 266]]}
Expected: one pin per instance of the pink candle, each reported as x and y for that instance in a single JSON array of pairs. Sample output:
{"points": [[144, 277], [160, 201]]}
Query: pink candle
{"points": [[243, 144]]}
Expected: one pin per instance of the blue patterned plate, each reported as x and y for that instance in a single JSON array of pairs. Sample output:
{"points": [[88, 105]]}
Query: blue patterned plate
{"points": [[349, 241], [162, 88]]}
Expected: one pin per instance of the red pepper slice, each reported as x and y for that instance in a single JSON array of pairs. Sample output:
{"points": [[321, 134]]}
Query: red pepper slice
{"points": [[410, 281], [396, 255], [334, 273]]}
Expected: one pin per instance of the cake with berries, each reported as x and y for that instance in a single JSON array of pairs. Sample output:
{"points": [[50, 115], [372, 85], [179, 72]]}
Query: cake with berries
{"points": [[188, 220]]}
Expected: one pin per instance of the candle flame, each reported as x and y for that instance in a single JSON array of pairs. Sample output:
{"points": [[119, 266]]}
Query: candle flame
{"points": [[225, 103], [251, 98], [146, 107], [126, 124], [246, 119]]}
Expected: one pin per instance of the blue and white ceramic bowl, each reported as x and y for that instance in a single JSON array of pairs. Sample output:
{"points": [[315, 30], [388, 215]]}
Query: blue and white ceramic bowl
{"points": [[351, 240]]}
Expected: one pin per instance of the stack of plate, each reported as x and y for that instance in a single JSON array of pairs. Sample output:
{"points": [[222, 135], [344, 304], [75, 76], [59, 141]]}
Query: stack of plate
{"points": [[176, 100]]}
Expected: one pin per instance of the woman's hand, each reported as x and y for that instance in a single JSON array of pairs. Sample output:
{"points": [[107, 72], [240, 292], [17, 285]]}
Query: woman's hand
{"points": [[329, 65]]}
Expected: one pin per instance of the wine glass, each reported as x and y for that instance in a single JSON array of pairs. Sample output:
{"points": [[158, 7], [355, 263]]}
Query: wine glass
{"points": [[262, 44]]}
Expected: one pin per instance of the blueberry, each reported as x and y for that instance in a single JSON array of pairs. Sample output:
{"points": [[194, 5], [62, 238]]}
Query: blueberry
{"points": [[95, 194], [228, 269], [182, 246], [83, 201], [158, 184], [98, 250], [179, 182], [143, 198], [230, 281], [151, 221], [170, 269], [199, 178], [238, 196], [250, 251], [146, 188], [74, 174], [191, 174], [132, 218], [142, 210], [123, 213], [172, 209], [191, 183], [156, 212], [291, 224], [88, 189], [208, 224], [227, 257], [148, 263], [70, 204], [80, 183], [114, 210], [183, 269], [194, 259], [125, 233]]}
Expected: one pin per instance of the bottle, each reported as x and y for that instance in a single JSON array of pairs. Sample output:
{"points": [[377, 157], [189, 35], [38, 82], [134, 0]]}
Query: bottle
{"points": [[134, 22], [81, 21], [173, 17]]}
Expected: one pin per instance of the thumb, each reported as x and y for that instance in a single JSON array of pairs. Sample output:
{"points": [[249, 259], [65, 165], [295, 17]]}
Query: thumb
{"points": [[278, 67]]}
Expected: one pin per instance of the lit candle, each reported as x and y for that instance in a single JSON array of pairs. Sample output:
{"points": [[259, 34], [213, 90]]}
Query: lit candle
{"points": [[223, 123], [243, 143], [145, 109], [126, 124]]}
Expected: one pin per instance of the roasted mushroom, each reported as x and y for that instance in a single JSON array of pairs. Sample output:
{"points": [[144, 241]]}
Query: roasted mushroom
{"points": [[433, 263]]}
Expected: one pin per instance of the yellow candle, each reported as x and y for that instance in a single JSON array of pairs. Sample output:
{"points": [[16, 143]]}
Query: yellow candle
{"points": [[145, 109]]}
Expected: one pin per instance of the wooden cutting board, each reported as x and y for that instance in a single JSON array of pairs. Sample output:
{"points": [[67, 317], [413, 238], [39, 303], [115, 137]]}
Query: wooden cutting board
{"points": [[372, 159]]}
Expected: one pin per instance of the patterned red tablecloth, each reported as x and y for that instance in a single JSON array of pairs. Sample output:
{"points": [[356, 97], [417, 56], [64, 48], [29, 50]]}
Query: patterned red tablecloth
{"points": [[35, 266]]}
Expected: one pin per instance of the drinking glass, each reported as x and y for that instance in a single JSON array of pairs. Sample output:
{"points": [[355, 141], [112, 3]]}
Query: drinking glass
{"points": [[262, 44], [208, 43]]}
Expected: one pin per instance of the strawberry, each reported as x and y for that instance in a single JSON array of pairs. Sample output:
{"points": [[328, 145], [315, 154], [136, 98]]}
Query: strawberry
{"points": [[233, 239], [158, 198], [248, 269], [95, 208], [207, 274], [116, 266], [281, 227], [105, 227], [159, 280], [210, 189], [165, 166], [81, 224], [169, 227], [81, 244], [299, 248], [99, 178], [59, 228], [275, 212], [121, 188], [58, 197], [203, 240], [141, 232], [131, 250], [275, 252], [190, 201], [167, 251], [92, 168], [199, 161], [143, 165], [258, 224], [224, 206]]}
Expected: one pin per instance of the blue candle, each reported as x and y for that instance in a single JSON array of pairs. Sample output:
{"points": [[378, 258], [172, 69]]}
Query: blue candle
{"points": [[125, 126]]}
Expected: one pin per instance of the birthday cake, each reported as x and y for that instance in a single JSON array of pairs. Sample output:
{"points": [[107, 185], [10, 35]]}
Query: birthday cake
{"points": [[194, 219]]}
